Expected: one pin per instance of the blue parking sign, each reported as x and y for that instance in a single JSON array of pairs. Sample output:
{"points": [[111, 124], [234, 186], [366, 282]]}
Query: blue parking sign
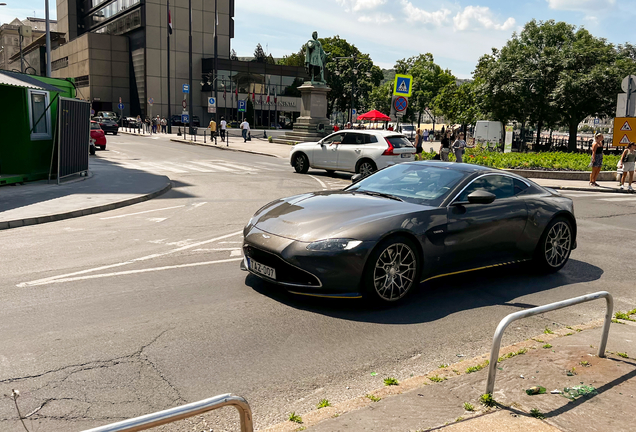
{"points": [[185, 118], [120, 106], [186, 88], [242, 106]]}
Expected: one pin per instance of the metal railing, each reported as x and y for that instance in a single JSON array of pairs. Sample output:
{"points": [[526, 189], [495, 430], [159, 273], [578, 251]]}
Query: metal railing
{"points": [[496, 340], [181, 412]]}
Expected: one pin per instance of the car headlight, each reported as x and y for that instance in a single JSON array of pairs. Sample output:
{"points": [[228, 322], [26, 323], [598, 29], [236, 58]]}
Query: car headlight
{"points": [[331, 245]]}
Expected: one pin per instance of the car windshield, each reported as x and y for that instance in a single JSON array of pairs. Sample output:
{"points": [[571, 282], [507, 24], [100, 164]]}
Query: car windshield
{"points": [[408, 128], [109, 115], [95, 126], [418, 184]]}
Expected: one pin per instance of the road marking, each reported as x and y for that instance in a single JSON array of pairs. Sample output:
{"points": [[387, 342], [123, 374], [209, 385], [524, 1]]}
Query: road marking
{"points": [[50, 279], [190, 167], [324, 186], [164, 167], [217, 249], [157, 219], [142, 212], [129, 272], [214, 166], [197, 205], [631, 198]]}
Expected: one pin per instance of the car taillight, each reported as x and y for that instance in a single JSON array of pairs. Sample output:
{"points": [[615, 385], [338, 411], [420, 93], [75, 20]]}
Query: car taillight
{"points": [[389, 151]]}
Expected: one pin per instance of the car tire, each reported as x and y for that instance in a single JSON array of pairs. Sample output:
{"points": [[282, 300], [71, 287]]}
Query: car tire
{"points": [[555, 245], [392, 271], [114, 133], [102, 147], [366, 167], [330, 172], [301, 163]]}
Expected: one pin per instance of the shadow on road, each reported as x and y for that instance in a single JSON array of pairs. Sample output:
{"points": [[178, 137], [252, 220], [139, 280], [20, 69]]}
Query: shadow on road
{"points": [[444, 296]]}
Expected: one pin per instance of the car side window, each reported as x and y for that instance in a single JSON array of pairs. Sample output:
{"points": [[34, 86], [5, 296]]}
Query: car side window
{"points": [[368, 139], [500, 186], [333, 139], [351, 138], [520, 186]]}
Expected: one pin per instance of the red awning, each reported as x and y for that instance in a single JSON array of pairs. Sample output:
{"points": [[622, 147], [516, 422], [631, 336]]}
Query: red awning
{"points": [[374, 115]]}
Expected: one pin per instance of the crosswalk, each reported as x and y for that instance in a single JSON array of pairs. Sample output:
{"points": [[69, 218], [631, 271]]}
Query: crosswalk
{"points": [[597, 196], [200, 166]]}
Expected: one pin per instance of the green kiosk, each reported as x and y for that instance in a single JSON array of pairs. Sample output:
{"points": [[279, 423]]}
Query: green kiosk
{"points": [[28, 118]]}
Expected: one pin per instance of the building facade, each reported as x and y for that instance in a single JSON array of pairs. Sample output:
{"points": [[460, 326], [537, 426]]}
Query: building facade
{"points": [[10, 43]]}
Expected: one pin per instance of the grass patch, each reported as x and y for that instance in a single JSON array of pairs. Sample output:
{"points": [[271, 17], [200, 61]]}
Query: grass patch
{"points": [[548, 331], [477, 367], [624, 355], [293, 417], [585, 363], [538, 340], [512, 354], [468, 406], [547, 346], [623, 315], [442, 366], [537, 414], [437, 378], [391, 381], [615, 321], [324, 403], [487, 400], [458, 419], [373, 398], [569, 334]]}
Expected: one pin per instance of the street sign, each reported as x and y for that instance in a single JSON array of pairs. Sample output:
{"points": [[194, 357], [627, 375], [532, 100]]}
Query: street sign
{"points": [[92, 112], [184, 104], [119, 100], [596, 121], [353, 111], [625, 83], [400, 104], [399, 114], [624, 131], [621, 104], [185, 118], [242, 106], [211, 109], [211, 101], [403, 85], [151, 101], [508, 139], [120, 106], [186, 88]]}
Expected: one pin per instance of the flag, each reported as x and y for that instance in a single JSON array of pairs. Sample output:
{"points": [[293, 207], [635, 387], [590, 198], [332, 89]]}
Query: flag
{"points": [[275, 98], [169, 22], [253, 95], [267, 94], [236, 91]]}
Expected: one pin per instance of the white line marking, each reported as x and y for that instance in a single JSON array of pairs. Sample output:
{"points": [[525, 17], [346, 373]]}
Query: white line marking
{"points": [[128, 272], [214, 167], [143, 212], [157, 219], [236, 252], [324, 186], [619, 199], [165, 168], [147, 257], [230, 242], [199, 204], [190, 167], [217, 249]]}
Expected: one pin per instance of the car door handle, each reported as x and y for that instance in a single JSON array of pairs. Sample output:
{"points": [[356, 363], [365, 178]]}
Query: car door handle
{"points": [[358, 150]]}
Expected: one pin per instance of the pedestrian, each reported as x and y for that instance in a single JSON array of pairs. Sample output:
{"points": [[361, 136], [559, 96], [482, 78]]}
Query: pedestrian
{"points": [[212, 127], [245, 129], [444, 149], [443, 131], [223, 129], [458, 147], [138, 121], [627, 161], [390, 128], [336, 128], [418, 143], [164, 125], [596, 161], [425, 135]]}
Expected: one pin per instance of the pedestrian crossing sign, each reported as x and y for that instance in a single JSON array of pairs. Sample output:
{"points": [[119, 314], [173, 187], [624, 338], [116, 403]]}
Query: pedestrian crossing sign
{"points": [[403, 85], [624, 131]]}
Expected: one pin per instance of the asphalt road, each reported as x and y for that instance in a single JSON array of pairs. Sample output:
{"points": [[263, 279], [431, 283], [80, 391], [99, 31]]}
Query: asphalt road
{"points": [[127, 312]]}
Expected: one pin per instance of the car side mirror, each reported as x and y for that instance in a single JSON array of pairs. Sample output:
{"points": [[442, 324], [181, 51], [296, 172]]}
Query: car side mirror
{"points": [[481, 197], [356, 178]]}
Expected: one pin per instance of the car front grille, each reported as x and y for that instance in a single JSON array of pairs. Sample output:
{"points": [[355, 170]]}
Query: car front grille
{"points": [[285, 272]]}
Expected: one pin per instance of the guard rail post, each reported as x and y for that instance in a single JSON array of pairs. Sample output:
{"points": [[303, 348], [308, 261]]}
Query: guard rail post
{"points": [[496, 340], [182, 412]]}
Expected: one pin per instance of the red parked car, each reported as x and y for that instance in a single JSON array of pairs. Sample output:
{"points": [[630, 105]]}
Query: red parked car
{"points": [[98, 135]]}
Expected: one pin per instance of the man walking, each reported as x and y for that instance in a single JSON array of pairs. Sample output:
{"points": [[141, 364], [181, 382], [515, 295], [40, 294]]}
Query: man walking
{"points": [[245, 130], [212, 127], [223, 129], [164, 123]]}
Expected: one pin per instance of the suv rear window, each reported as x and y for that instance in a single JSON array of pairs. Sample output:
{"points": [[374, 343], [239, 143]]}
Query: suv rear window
{"points": [[398, 141], [95, 126]]}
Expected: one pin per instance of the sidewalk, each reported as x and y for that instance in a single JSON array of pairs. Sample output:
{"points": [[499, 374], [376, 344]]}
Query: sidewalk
{"points": [[421, 404], [107, 187]]}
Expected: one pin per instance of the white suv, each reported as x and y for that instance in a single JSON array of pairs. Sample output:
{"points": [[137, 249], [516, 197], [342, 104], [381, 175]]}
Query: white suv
{"points": [[355, 151]]}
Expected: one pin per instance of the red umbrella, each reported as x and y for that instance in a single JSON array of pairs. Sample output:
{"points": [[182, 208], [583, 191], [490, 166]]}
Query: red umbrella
{"points": [[374, 115]]}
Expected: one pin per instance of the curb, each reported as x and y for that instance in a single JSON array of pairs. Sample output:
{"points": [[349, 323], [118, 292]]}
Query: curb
{"points": [[223, 148], [589, 189], [83, 212]]}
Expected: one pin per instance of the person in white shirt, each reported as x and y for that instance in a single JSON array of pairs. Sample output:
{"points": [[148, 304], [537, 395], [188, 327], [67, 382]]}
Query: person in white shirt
{"points": [[425, 135], [223, 129], [245, 130]]}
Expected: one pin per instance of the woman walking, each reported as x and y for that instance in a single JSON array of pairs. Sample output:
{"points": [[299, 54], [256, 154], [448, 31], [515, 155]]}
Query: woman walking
{"points": [[628, 160], [444, 149], [418, 144], [458, 147], [597, 158]]}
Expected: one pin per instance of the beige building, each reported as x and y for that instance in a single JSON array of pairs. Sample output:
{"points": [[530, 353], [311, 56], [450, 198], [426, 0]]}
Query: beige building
{"points": [[10, 42], [119, 48]]}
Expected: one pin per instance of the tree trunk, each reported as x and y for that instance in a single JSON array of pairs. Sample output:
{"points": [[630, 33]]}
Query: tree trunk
{"points": [[419, 118], [573, 127], [539, 126]]}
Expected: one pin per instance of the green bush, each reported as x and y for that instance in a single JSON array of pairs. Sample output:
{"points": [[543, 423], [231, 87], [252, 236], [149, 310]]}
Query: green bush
{"points": [[545, 160]]}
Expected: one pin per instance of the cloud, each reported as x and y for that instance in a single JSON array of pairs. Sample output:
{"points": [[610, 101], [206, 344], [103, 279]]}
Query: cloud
{"points": [[413, 13], [473, 16], [376, 18], [358, 5], [580, 5]]}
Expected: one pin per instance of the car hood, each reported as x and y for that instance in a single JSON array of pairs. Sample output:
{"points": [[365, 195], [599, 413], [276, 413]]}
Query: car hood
{"points": [[331, 214]]}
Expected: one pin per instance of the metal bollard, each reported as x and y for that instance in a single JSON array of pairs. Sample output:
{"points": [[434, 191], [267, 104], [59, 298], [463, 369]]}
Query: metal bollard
{"points": [[204, 132]]}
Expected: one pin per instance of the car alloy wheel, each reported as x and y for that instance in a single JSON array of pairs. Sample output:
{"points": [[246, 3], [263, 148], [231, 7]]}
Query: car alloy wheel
{"points": [[366, 168], [301, 164], [395, 271], [558, 243]]}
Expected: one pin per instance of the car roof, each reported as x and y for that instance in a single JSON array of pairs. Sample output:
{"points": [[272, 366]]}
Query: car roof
{"points": [[466, 167], [378, 132]]}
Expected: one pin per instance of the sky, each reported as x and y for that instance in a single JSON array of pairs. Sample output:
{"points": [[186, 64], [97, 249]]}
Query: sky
{"points": [[457, 33]]}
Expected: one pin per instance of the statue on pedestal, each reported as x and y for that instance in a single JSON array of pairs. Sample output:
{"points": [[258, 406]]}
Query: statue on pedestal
{"points": [[315, 58]]}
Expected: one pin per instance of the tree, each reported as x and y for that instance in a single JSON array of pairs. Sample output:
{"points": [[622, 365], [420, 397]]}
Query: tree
{"points": [[295, 59], [380, 98], [259, 54], [428, 80], [458, 103], [270, 59]]}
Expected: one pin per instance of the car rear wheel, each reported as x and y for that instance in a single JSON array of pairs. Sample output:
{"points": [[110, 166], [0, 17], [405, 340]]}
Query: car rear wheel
{"points": [[392, 270], [330, 172], [301, 163], [102, 147], [555, 245], [366, 167]]}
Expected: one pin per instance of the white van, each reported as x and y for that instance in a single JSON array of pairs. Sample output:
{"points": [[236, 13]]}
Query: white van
{"points": [[488, 132]]}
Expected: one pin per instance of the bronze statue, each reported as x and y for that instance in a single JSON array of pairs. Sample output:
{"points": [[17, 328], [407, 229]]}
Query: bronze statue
{"points": [[315, 57]]}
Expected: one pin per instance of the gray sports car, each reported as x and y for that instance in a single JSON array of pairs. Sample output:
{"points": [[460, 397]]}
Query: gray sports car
{"points": [[384, 234]]}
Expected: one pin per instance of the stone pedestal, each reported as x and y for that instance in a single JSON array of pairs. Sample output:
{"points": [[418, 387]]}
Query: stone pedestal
{"points": [[313, 123]]}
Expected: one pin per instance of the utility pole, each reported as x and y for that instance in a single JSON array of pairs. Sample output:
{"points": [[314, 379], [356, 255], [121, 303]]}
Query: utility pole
{"points": [[191, 99], [48, 39], [216, 64], [169, 126]]}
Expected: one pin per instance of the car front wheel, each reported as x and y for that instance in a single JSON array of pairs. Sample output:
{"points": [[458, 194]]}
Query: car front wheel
{"points": [[392, 270], [366, 168], [555, 245], [301, 163]]}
